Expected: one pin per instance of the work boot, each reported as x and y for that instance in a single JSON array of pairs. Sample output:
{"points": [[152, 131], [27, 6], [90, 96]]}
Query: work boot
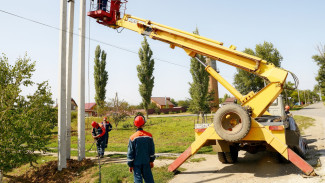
{"points": [[101, 156]]}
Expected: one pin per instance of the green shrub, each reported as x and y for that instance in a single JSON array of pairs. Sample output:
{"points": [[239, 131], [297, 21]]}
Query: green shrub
{"points": [[74, 115], [127, 125]]}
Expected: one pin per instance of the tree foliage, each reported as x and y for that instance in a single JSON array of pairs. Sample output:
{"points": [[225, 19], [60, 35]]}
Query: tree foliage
{"points": [[225, 96], [120, 110], [244, 81], [145, 73], [320, 60], [199, 87], [184, 103], [100, 76], [25, 121]]}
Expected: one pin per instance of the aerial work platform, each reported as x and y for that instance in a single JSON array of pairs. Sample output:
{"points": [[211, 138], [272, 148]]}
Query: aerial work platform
{"points": [[233, 123]]}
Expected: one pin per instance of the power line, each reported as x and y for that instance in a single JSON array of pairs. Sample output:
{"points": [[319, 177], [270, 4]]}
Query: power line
{"points": [[90, 39]]}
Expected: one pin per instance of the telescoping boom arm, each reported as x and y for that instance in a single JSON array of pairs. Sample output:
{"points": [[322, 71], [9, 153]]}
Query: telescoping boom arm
{"points": [[194, 44]]}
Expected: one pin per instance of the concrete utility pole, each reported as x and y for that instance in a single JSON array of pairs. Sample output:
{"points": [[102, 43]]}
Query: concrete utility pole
{"points": [[213, 85], [298, 96], [69, 74], [81, 108], [62, 132]]}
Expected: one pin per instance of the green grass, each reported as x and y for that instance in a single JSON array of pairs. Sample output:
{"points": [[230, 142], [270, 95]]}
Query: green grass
{"points": [[170, 134], [117, 156], [166, 157], [196, 160], [116, 173], [304, 122], [75, 152]]}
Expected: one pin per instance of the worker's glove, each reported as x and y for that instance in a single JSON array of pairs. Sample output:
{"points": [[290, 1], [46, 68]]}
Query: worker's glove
{"points": [[151, 164], [130, 169]]}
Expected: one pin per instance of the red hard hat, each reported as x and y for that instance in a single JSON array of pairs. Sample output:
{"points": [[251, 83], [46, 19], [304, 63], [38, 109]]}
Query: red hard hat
{"points": [[139, 121], [94, 124]]}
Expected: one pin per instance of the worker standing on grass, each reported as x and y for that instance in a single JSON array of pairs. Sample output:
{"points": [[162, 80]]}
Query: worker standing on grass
{"points": [[108, 127], [98, 133], [141, 152]]}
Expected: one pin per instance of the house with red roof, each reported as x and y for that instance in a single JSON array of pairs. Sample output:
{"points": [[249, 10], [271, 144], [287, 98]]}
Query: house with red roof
{"points": [[90, 109], [162, 102]]}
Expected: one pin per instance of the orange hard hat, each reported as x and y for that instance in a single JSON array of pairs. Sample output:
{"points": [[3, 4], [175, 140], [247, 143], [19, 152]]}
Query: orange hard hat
{"points": [[287, 107], [94, 124], [105, 118], [139, 121]]}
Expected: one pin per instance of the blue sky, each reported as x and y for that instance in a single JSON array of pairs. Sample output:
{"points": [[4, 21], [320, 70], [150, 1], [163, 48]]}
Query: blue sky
{"points": [[294, 27]]}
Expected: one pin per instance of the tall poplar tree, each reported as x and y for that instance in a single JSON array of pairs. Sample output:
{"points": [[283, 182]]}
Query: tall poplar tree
{"points": [[100, 76], [244, 81], [145, 73], [200, 84]]}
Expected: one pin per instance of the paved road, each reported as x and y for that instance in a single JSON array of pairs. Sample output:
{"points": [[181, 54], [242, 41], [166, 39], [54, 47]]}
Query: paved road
{"points": [[262, 167], [314, 110]]}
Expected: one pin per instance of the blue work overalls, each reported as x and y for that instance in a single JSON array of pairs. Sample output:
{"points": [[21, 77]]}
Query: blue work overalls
{"points": [[100, 130], [141, 151]]}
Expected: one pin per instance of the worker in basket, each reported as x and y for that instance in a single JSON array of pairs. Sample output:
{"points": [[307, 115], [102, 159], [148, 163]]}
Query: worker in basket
{"points": [[101, 4]]}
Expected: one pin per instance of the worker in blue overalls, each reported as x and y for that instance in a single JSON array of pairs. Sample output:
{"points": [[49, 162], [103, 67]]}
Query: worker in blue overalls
{"points": [[108, 127], [98, 133], [102, 4], [141, 152]]}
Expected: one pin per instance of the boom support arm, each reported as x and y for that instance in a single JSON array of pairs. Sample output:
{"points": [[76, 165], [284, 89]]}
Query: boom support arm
{"points": [[194, 44]]}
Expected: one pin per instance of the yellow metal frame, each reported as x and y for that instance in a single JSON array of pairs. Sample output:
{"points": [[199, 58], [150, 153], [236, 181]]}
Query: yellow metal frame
{"points": [[257, 132], [194, 44]]}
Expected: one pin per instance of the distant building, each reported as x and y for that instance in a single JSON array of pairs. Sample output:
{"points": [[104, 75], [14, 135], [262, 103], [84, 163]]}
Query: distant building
{"points": [[73, 105], [90, 109], [230, 100], [162, 102]]}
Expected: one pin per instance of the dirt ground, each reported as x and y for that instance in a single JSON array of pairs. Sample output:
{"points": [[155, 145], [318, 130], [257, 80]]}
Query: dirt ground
{"points": [[48, 172], [263, 167]]}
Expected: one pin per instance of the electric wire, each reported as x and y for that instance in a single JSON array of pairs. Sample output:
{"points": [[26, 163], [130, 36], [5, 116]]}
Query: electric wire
{"points": [[90, 39]]}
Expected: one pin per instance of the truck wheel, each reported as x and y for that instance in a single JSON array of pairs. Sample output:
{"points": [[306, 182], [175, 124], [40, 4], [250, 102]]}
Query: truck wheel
{"points": [[222, 157], [232, 122], [232, 156]]}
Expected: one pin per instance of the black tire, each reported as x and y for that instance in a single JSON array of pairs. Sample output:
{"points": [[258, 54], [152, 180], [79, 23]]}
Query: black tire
{"points": [[222, 157], [232, 156], [232, 122]]}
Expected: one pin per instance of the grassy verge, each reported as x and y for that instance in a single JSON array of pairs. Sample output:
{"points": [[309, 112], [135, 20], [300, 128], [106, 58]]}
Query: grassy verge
{"points": [[116, 173], [171, 134], [196, 160], [304, 122]]}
